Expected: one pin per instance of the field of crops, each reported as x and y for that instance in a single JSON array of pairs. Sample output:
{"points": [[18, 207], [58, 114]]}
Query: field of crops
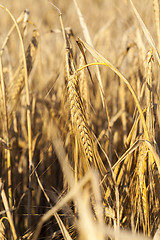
{"points": [[80, 119]]}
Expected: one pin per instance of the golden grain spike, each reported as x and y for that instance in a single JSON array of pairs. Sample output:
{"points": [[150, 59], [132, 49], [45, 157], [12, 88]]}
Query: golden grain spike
{"points": [[78, 118], [17, 84], [78, 113]]}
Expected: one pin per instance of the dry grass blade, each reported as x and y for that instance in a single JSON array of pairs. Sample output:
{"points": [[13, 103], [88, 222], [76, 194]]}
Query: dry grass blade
{"points": [[124, 235], [89, 41], [3, 142], [84, 89], [154, 153], [141, 172], [8, 212], [157, 234], [129, 151], [83, 24], [146, 32], [21, 18], [64, 231], [59, 221], [156, 18], [2, 230], [71, 195], [149, 95]]}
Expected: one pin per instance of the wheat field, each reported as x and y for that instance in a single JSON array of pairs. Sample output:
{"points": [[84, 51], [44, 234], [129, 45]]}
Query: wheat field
{"points": [[79, 119]]}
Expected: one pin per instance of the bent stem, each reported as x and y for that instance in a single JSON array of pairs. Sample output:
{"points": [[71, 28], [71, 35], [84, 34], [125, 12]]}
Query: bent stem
{"points": [[104, 61]]}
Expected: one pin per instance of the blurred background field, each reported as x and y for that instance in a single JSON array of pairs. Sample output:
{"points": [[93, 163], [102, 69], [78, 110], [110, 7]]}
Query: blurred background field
{"points": [[68, 129]]}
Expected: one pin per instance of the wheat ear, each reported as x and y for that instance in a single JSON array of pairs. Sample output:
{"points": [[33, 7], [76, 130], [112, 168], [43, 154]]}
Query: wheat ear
{"points": [[18, 83]]}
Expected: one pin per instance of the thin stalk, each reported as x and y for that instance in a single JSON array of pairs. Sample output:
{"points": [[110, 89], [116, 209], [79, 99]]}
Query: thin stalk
{"points": [[7, 209], [28, 111], [9, 167]]}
